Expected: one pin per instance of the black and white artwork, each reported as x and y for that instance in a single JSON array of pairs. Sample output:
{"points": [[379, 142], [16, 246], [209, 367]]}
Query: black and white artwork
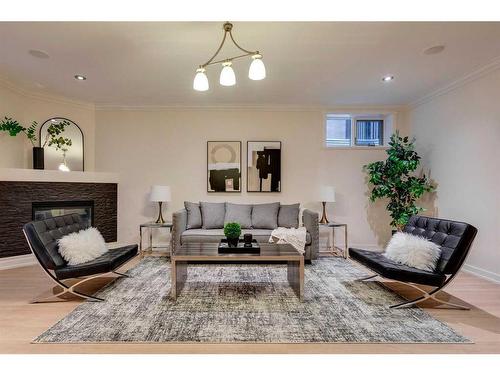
{"points": [[263, 166], [224, 166]]}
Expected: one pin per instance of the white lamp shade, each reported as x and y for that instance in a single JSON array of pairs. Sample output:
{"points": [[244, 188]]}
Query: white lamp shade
{"points": [[327, 194], [200, 82], [227, 77], [160, 193], [257, 69]]}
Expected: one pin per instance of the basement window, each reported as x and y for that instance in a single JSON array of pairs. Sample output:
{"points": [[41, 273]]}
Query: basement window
{"points": [[357, 130]]}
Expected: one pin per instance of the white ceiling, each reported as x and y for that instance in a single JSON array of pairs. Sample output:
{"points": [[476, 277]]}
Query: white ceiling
{"points": [[308, 64]]}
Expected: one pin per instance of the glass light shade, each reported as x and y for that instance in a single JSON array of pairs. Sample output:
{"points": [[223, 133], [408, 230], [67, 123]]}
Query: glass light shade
{"points": [[200, 82], [257, 69], [63, 167], [227, 77], [327, 194], [160, 193]]}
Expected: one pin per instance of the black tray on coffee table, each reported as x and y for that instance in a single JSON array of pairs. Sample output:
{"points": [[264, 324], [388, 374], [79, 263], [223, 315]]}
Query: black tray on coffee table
{"points": [[242, 248]]}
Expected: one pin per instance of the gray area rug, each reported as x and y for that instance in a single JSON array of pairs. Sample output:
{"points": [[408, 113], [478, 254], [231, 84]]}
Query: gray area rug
{"points": [[248, 303]]}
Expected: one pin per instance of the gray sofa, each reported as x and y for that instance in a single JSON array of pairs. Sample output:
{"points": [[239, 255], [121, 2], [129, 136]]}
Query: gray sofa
{"points": [[204, 222]]}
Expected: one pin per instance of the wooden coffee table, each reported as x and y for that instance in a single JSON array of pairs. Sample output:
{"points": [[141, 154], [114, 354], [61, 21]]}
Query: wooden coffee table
{"points": [[207, 252]]}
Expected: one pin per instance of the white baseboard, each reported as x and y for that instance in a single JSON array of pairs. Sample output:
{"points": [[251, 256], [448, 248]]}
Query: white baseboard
{"points": [[477, 271], [17, 261]]}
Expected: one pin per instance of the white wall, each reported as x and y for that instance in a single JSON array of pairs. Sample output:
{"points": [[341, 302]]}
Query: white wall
{"points": [[26, 107], [169, 147], [458, 136]]}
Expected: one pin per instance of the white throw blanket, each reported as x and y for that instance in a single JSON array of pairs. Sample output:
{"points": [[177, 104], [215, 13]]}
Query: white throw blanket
{"points": [[294, 236]]}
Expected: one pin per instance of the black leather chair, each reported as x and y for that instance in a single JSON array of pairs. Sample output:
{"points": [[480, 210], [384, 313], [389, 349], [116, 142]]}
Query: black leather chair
{"points": [[42, 236], [455, 239]]}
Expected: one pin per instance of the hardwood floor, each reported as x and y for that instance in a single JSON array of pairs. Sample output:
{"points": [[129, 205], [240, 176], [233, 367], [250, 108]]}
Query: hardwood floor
{"points": [[20, 322]]}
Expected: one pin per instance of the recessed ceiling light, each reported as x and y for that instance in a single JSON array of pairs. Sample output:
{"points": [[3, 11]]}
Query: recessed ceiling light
{"points": [[434, 50], [387, 78], [80, 77], [38, 54]]}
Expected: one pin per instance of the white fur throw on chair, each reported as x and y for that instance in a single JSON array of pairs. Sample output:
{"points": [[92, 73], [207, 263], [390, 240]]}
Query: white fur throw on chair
{"points": [[414, 251], [82, 246]]}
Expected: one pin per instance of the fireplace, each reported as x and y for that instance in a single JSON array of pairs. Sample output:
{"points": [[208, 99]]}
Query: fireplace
{"points": [[45, 210], [22, 201]]}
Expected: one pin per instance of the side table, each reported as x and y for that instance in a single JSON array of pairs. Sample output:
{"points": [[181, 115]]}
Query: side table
{"points": [[151, 226], [333, 249]]}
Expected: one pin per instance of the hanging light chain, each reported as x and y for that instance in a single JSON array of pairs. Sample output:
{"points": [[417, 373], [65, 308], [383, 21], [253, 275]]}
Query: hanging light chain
{"points": [[227, 30]]}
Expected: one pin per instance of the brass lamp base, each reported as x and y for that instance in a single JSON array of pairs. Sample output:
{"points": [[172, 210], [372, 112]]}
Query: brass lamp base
{"points": [[324, 219], [160, 219]]}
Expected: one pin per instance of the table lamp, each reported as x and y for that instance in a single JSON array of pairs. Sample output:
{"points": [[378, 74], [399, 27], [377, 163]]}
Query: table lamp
{"points": [[327, 194], [160, 194]]}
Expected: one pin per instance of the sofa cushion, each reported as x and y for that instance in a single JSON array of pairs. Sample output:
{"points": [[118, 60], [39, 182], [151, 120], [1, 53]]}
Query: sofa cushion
{"points": [[392, 270], [215, 235], [288, 216], [212, 215], [193, 215], [239, 213], [265, 216]]}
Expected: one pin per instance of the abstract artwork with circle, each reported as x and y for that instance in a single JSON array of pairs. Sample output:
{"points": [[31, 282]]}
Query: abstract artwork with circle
{"points": [[223, 166]]}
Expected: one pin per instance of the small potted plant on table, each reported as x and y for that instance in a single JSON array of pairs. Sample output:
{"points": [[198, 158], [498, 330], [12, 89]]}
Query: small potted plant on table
{"points": [[232, 231]]}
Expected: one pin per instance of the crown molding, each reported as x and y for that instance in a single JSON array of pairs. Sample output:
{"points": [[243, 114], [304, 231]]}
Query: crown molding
{"points": [[462, 81], [263, 108], [470, 77], [51, 98]]}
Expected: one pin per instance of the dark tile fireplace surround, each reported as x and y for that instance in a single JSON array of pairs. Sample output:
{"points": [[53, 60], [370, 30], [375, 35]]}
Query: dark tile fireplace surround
{"points": [[20, 201]]}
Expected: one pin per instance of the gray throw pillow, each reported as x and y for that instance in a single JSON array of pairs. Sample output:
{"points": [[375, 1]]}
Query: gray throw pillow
{"points": [[239, 213], [212, 215], [265, 216], [288, 216], [193, 215]]}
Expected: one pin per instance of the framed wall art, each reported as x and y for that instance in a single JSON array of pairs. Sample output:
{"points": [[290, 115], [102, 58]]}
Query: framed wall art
{"points": [[223, 166], [264, 166]]}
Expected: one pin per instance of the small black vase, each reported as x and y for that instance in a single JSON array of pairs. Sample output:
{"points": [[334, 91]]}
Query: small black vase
{"points": [[247, 238], [233, 242], [38, 162]]}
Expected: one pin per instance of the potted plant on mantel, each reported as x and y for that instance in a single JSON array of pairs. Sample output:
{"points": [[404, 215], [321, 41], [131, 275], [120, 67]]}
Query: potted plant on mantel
{"points": [[232, 231], [53, 137], [395, 179]]}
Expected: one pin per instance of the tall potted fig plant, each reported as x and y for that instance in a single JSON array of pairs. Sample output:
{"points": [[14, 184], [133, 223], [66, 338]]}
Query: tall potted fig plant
{"points": [[396, 180], [53, 138]]}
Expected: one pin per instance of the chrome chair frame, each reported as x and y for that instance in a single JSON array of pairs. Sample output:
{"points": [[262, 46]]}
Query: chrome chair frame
{"points": [[426, 295]]}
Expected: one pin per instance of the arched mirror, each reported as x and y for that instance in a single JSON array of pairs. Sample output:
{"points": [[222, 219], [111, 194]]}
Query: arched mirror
{"points": [[62, 140]]}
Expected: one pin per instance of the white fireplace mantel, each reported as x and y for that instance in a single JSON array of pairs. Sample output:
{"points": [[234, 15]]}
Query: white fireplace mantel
{"points": [[38, 175]]}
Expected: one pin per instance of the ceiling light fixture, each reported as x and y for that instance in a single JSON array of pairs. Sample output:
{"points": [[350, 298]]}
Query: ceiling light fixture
{"points": [[38, 54], [387, 78], [79, 77], [434, 50], [256, 72]]}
